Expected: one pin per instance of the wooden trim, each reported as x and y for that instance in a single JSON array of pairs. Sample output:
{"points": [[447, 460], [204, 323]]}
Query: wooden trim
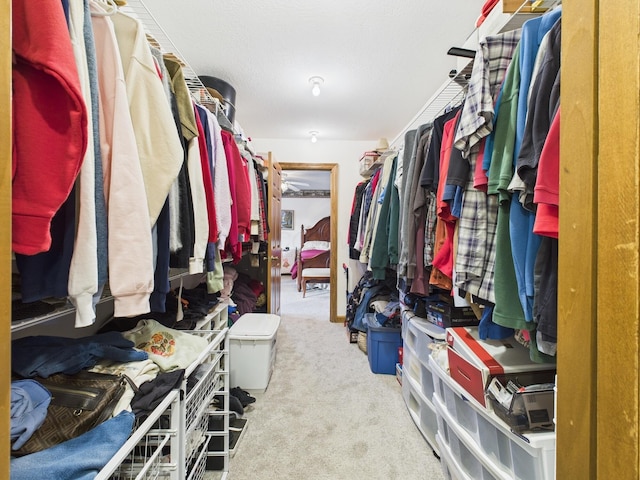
{"points": [[618, 214], [341, 319], [577, 349], [333, 293], [333, 168], [599, 273], [5, 231], [274, 250]]}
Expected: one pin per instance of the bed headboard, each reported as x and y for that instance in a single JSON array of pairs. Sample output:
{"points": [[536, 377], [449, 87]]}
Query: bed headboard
{"points": [[320, 231]]}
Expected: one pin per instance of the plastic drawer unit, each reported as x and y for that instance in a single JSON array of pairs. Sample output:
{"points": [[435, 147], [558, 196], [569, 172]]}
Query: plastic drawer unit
{"points": [[480, 445], [419, 335], [451, 467], [252, 350], [420, 407]]}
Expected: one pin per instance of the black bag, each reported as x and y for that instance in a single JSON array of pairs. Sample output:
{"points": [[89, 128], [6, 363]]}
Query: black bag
{"points": [[79, 403]]}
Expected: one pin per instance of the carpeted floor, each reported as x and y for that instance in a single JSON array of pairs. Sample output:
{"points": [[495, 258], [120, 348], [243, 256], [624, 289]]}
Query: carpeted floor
{"points": [[324, 414]]}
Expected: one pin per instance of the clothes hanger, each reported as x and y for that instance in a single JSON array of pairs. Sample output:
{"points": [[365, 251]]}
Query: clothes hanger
{"points": [[108, 8]]}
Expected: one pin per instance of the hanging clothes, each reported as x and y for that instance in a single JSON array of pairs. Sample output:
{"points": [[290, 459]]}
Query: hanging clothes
{"points": [[475, 258], [356, 208], [380, 262], [83, 271], [131, 275], [159, 148], [524, 242], [508, 310], [240, 197], [46, 92], [409, 141], [221, 188]]}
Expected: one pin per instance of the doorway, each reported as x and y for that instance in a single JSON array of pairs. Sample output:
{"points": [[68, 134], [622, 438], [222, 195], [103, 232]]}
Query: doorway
{"points": [[332, 168]]}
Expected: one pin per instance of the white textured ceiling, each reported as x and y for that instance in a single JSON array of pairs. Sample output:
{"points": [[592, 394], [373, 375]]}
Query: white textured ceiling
{"points": [[381, 59]]}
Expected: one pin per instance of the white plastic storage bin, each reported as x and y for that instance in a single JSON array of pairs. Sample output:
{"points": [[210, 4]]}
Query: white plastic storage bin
{"points": [[419, 335], [481, 444], [252, 350], [452, 468]]}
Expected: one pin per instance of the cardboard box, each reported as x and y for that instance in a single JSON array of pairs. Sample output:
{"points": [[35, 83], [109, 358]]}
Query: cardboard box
{"points": [[367, 161], [474, 362], [444, 315]]}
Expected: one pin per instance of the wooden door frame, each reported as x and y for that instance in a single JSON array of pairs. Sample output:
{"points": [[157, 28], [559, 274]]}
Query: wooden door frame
{"points": [[599, 246], [274, 249], [333, 169]]}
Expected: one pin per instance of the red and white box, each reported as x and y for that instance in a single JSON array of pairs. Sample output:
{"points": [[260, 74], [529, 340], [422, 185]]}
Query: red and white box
{"points": [[474, 362]]}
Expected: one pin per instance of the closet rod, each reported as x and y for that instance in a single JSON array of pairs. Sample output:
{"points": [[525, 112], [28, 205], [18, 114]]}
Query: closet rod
{"points": [[152, 28], [448, 94]]}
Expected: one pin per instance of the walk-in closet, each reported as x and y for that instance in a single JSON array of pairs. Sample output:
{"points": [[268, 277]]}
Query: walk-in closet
{"points": [[257, 240]]}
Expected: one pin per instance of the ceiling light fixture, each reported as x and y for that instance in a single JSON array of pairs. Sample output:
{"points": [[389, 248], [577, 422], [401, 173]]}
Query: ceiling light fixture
{"points": [[316, 82], [314, 136]]}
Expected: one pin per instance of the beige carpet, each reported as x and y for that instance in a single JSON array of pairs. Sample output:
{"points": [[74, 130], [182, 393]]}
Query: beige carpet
{"points": [[324, 414]]}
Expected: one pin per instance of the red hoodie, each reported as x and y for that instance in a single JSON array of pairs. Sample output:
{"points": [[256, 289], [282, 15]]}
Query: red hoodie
{"points": [[240, 197], [49, 121]]}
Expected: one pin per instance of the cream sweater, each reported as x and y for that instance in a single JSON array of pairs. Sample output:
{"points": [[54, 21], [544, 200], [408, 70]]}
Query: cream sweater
{"points": [[159, 146], [83, 272]]}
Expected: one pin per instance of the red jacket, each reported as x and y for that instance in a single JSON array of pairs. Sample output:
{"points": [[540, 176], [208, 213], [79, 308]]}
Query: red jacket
{"points": [[49, 121]]}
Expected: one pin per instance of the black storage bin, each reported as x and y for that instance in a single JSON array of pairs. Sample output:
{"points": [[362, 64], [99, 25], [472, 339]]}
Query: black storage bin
{"points": [[227, 92]]}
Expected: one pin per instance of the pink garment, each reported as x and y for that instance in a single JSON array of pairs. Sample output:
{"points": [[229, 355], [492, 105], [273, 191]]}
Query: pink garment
{"points": [[304, 255], [232, 246], [480, 180], [130, 243]]}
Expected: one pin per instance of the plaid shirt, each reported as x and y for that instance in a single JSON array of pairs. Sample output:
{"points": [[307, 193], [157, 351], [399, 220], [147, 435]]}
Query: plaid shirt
{"points": [[430, 229], [489, 69], [475, 259]]}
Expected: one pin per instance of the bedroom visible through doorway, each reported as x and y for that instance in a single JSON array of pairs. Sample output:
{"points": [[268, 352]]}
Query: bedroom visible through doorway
{"points": [[309, 199]]}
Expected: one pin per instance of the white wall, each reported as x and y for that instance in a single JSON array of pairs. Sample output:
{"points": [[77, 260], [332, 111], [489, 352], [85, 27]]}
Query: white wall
{"points": [[306, 211], [346, 154]]}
